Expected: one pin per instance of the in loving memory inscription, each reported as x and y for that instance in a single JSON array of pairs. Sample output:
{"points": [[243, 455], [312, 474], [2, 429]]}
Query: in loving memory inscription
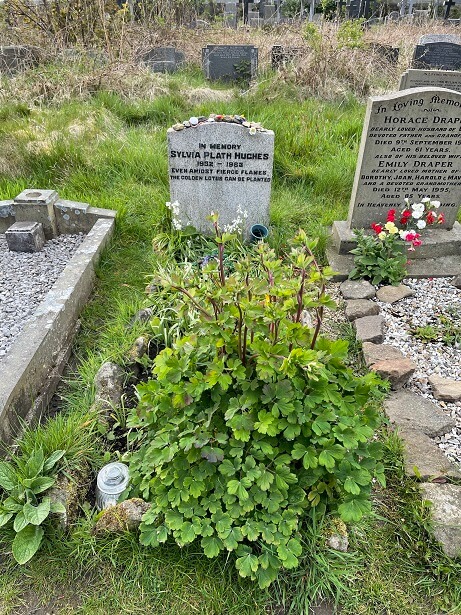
{"points": [[220, 167], [411, 147]]}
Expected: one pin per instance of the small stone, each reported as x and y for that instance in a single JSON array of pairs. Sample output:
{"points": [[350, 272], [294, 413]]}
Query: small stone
{"points": [[306, 319], [374, 353], [109, 383], [193, 121], [457, 281], [202, 118], [218, 118], [246, 124], [178, 127], [409, 410], [122, 517], [357, 289], [228, 118], [370, 329], [187, 124], [338, 543], [144, 315], [446, 514], [392, 294], [397, 371], [358, 308], [139, 349], [445, 389]]}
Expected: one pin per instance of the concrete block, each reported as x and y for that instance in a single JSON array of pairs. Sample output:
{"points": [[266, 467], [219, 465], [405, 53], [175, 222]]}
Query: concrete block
{"points": [[25, 237]]}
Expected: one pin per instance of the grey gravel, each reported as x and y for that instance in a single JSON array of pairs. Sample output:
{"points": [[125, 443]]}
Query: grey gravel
{"points": [[432, 296], [25, 278]]}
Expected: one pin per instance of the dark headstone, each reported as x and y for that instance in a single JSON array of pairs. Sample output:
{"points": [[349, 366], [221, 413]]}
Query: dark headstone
{"points": [[162, 59], [230, 62], [281, 56], [443, 55], [14, 59], [387, 52]]}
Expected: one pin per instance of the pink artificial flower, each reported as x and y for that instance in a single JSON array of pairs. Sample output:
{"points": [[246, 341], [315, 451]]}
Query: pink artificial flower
{"points": [[417, 243]]}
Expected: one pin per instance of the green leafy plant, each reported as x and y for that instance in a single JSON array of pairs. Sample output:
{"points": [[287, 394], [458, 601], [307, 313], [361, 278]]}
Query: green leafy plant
{"points": [[251, 417], [381, 261], [350, 34], [427, 333], [25, 508]]}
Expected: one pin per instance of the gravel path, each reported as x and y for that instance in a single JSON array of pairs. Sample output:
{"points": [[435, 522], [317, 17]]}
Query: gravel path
{"points": [[433, 296], [25, 279]]}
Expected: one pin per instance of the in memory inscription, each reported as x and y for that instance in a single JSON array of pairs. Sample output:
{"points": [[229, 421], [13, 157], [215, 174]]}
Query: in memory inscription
{"points": [[415, 78], [221, 167], [411, 147]]}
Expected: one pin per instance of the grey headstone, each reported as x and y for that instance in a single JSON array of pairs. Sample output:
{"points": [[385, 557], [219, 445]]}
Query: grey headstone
{"points": [[25, 237], [220, 167], [418, 78], [410, 147], [230, 62], [162, 59], [411, 411], [445, 56], [439, 38]]}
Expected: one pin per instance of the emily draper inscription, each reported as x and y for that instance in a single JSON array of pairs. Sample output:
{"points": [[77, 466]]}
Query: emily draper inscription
{"points": [[411, 147]]}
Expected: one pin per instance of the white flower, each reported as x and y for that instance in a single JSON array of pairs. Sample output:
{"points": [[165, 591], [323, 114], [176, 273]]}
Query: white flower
{"points": [[421, 224], [417, 213], [407, 200], [403, 234], [435, 204], [425, 200], [417, 207]]}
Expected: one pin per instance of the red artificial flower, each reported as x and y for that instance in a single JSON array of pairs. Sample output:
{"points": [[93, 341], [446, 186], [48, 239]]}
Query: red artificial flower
{"points": [[430, 218], [377, 228], [406, 214], [441, 218], [417, 243], [410, 236], [391, 215]]}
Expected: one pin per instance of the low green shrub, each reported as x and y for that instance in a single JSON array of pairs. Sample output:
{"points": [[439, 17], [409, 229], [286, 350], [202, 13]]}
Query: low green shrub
{"points": [[381, 261], [251, 417], [25, 482]]}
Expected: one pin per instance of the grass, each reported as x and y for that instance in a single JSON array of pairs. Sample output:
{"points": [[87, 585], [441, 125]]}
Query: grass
{"points": [[110, 150]]}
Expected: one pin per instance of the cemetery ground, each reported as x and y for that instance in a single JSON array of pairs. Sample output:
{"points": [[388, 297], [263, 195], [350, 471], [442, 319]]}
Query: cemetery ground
{"points": [[110, 150]]}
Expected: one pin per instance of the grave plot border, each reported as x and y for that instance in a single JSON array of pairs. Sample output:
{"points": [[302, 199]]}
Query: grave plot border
{"points": [[32, 368]]}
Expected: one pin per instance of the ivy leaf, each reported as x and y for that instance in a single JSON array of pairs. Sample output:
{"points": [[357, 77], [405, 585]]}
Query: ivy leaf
{"points": [[289, 553], [247, 565], [26, 543], [353, 510], [211, 546]]}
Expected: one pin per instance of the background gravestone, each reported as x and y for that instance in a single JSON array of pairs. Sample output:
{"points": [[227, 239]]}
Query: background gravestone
{"points": [[220, 167], [410, 147], [442, 55], [417, 78], [162, 59], [439, 38], [230, 62], [16, 58]]}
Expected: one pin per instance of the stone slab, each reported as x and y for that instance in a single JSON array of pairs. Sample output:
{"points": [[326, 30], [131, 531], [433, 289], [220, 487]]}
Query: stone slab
{"points": [[446, 515], [408, 410], [221, 167], [162, 59], [442, 55], [357, 289], [443, 267], [32, 362], [358, 308], [230, 62], [370, 329], [373, 353], [397, 371], [422, 453], [419, 78], [408, 149], [445, 389], [37, 205], [437, 242], [392, 294]]}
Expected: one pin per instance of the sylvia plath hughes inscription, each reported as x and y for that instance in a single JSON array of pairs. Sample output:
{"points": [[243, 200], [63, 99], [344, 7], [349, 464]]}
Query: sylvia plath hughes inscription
{"points": [[411, 147]]}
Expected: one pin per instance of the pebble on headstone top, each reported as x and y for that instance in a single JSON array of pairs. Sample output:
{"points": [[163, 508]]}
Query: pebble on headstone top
{"points": [[221, 164], [410, 147]]}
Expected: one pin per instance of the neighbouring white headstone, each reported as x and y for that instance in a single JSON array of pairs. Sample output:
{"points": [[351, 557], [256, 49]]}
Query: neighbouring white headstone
{"points": [[221, 166], [411, 147], [417, 78]]}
